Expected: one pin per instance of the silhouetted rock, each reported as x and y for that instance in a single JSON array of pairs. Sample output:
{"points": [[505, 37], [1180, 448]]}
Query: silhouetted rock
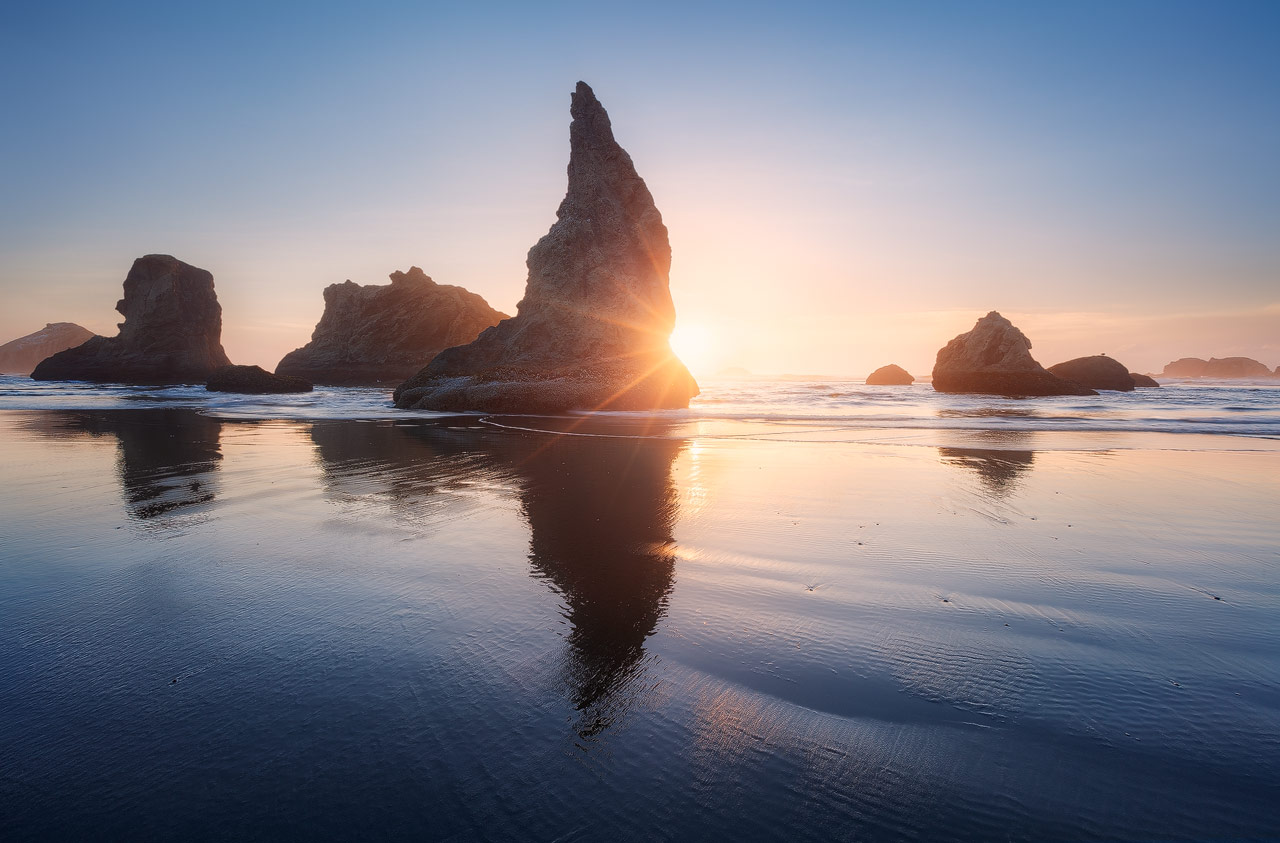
{"points": [[995, 358], [1096, 372], [20, 356], [1235, 367], [592, 329], [1214, 367], [171, 331], [1185, 367], [254, 380], [1143, 381], [891, 375], [734, 372], [375, 333]]}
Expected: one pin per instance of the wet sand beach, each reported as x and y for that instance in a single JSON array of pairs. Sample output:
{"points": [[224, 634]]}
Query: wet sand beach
{"points": [[523, 628]]}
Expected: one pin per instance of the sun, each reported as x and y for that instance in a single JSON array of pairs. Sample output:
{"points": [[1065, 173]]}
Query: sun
{"points": [[693, 344]]}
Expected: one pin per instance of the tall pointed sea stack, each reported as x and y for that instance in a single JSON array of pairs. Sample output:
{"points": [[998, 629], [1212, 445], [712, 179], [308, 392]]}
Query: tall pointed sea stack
{"points": [[171, 333], [592, 329]]}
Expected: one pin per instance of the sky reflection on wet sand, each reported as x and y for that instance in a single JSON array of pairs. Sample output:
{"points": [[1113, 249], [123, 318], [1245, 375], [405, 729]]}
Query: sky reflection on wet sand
{"points": [[336, 627]]}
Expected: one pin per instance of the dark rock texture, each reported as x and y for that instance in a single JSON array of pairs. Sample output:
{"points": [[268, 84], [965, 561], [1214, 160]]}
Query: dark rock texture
{"points": [[20, 356], [1096, 372], [891, 375], [378, 333], [1215, 367], [253, 380], [592, 329], [995, 358], [171, 333], [1143, 381]]}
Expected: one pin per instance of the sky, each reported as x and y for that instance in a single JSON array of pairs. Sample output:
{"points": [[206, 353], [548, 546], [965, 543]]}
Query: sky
{"points": [[845, 184]]}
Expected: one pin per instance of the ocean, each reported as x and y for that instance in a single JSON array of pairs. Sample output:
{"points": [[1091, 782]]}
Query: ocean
{"points": [[802, 609], [1239, 408]]}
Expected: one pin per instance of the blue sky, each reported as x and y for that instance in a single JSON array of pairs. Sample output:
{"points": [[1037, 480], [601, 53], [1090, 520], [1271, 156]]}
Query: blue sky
{"points": [[845, 184]]}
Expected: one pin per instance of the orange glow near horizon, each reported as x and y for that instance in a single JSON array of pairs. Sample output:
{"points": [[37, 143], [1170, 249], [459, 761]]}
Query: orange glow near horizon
{"points": [[695, 345]]}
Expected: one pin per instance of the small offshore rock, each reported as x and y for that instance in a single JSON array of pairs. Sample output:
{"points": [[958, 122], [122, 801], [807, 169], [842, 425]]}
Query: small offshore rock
{"points": [[1143, 381], [891, 375], [1096, 372], [254, 380]]}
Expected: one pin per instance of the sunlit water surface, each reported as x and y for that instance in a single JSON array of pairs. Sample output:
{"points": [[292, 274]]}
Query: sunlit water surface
{"points": [[241, 618]]}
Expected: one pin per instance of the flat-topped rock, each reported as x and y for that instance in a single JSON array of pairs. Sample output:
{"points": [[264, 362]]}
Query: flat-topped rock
{"points": [[20, 356], [1215, 367], [171, 333], [995, 358], [1185, 367], [591, 331], [1096, 372], [891, 375], [384, 333], [254, 380], [1235, 367]]}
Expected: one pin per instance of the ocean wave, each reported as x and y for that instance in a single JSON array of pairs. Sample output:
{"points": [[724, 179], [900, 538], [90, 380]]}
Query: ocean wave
{"points": [[1236, 409]]}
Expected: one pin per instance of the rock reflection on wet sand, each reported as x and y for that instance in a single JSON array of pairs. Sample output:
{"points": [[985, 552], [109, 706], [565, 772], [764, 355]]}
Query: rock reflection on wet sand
{"points": [[537, 629]]}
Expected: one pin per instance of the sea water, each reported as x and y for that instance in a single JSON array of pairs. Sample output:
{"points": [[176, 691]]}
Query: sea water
{"points": [[1244, 408]]}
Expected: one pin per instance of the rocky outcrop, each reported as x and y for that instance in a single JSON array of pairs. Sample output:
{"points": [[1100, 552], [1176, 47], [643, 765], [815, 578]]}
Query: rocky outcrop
{"points": [[254, 380], [592, 329], [891, 375], [1235, 367], [378, 333], [171, 333], [1143, 381], [1185, 367], [20, 356], [995, 358], [1214, 367], [1096, 372]]}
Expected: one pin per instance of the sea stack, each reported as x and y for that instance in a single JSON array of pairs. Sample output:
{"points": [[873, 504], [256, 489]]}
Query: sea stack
{"points": [[1096, 372], [20, 356], [995, 358], [891, 375], [171, 333], [378, 333], [591, 331]]}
